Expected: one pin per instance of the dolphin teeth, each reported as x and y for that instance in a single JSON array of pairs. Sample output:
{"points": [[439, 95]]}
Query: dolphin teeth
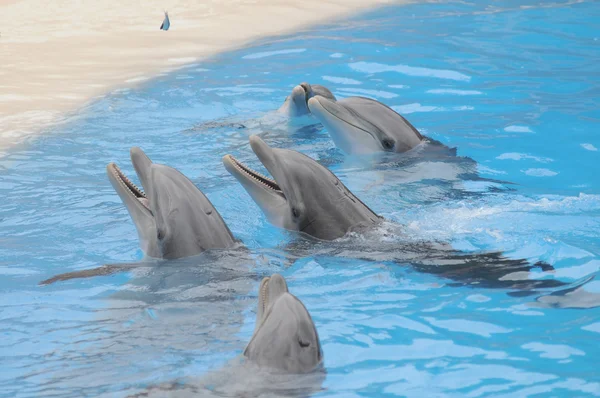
{"points": [[130, 186], [256, 176], [265, 295]]}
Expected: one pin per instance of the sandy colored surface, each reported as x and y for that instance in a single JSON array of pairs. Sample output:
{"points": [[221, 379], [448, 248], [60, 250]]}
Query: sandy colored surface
{"points": [[55, 55]]}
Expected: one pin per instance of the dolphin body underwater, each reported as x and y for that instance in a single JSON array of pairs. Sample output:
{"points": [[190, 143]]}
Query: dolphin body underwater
{"points": [[284, 355], [173, 218]]}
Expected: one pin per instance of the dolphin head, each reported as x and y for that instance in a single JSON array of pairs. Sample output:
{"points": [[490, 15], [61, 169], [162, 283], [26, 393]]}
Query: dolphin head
{"points": [[285, 337], [172, 216], [346, 129], [296, 104], [303, 196], [362, 125]]}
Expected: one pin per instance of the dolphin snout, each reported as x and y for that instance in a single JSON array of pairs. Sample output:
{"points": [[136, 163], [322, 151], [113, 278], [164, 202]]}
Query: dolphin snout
{"points": [[298, 91], [257, 144], [314, 104]]}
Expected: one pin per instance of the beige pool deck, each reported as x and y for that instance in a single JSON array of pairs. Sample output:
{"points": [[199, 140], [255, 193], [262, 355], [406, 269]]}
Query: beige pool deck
{"points": [[57, 55]]}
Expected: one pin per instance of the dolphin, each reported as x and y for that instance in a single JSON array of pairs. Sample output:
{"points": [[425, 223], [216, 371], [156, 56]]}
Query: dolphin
{"points": [[359, 125], [296, 104], [166, 23], [284, 355], [172, 216], [285, 337], [303, 196]]}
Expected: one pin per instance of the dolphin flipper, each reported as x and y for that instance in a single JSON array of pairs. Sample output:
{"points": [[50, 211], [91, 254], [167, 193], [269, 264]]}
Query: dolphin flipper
{"points": [[107, 269]]}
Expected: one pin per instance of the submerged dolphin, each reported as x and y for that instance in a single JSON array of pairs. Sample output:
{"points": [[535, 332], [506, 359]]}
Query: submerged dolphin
{"points": [[172, 216], [304, 196], [296, 104], [363, 125], [166, 23], [284, 355]]}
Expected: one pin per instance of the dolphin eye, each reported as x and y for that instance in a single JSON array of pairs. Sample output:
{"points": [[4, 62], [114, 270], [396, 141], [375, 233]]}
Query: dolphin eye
{"points": [[387, 143], [303, 344], [295, 212]]}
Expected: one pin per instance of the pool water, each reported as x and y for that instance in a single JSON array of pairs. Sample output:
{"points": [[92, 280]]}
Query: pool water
{"points": [[512, 85]]}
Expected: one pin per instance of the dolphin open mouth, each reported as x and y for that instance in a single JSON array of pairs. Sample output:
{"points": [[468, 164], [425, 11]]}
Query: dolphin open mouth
{"points": [[279, 287], [263, 292], [130, 187], [307, 91], [255, 176]]}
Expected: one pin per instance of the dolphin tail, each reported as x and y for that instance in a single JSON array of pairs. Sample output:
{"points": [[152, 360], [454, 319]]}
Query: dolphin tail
{"points": [[104, 270]]}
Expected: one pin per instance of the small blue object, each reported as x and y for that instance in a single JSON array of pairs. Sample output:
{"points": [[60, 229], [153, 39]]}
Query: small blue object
{"points": [[166, 23]]}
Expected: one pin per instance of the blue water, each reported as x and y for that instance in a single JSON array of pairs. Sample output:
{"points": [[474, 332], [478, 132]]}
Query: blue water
{"points": [[513, 85]]}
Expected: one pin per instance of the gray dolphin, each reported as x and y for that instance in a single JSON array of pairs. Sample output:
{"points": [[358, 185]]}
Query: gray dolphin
{"points": [[284, 355], [296, 104], [304, 196], [285, 337], [363, 125], [172, 216]]}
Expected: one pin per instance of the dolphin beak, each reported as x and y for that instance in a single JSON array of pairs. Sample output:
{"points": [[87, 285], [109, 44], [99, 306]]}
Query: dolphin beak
{"points": [[265, 191], [299, 97], [317, 106], [262, 151], [142, 165], [298, 92], [345, 129], [269, 290]]}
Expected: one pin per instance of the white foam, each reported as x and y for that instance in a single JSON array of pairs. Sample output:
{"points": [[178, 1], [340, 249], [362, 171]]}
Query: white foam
{"points": [[374, 67], [594, 327], [479, 328], [540, 172], [518, 129], [553, 351], [416, 107], [520, 156], [453, 91], [487, 170], [340, 80], [272, 53], [589, 147], [478, 298], [336, 55], [374, 93]]}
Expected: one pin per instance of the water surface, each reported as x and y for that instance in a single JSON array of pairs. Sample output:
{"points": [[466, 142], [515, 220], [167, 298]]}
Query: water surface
{"points": [[512, 85]]}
